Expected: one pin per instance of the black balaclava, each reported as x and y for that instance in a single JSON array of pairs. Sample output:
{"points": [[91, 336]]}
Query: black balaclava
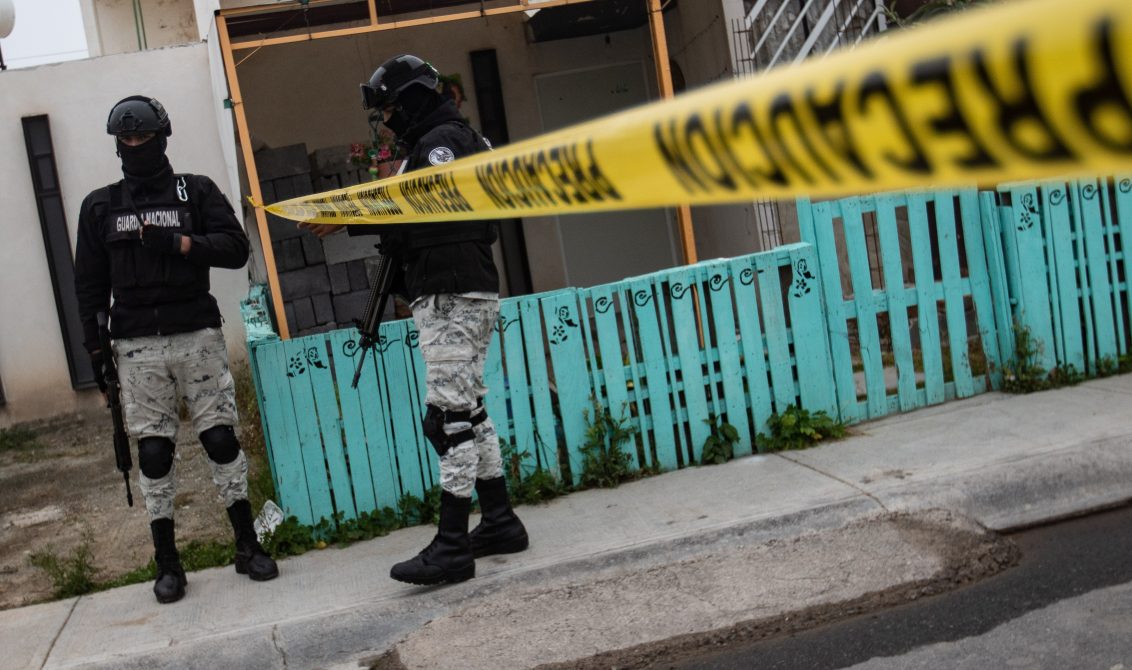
{"points": [[145, 160], [413, 104]]}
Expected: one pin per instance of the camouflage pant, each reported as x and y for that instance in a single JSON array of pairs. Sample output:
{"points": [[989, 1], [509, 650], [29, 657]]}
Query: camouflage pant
{"points": [[159, 371], [455, 331]]}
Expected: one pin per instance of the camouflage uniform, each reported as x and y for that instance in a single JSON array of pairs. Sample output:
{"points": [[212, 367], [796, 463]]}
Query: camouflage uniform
{"points": [[159, 370], [455, 330]]}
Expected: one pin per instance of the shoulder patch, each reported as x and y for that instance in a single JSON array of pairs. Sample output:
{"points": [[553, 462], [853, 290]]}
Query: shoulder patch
{"points": [[440, 155]]}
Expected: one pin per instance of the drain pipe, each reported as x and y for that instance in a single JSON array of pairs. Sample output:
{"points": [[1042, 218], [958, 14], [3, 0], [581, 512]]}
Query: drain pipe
{"points": [[139, 26]]}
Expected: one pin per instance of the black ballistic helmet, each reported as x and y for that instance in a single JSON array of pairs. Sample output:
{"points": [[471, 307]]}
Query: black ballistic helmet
{"points": [[394, 76], [137, 115]]}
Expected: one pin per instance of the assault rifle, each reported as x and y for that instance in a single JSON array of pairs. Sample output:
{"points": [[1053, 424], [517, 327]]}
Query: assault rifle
{"points": [[114, 402], [371, 320]]}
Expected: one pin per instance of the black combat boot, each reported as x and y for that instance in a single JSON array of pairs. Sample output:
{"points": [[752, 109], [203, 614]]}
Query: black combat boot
{"points": [[499, 531], [251, 559], [448, 558], [170, 584]]}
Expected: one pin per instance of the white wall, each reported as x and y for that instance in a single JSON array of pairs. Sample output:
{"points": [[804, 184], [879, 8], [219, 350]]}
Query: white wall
{"points": [[112, 26], [77, 96]]}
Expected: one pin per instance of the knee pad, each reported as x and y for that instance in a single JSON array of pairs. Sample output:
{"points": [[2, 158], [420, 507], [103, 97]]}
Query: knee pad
{"points": [[155, 456], [435, 419], [220, 444]]}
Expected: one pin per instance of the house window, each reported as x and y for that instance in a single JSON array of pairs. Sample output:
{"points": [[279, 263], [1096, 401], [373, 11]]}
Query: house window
{"points": [[57, 244]]}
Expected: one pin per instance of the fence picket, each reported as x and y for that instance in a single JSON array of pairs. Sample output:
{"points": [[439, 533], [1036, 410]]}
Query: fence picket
{"points": [[657, 383], [310, 441], [751, 342], [868, 335], [404, 412], [1123, 208], [1063, 271], [811, 339], [546, 431], [1099, 294], [685, 294], [978, 273], [777, 338], [820, 222], [285, 445], [953, 304], [635, 367], [991, 218], [927, 311], [564, 326], [1115, 267], [612, 366], [896, 294], [517, 388], [353, 429], [719, 285], [1032, 289]]}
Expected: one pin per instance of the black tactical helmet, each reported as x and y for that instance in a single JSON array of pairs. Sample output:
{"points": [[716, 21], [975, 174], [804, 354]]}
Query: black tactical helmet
{"points": [[394, 76], [137, 115]]}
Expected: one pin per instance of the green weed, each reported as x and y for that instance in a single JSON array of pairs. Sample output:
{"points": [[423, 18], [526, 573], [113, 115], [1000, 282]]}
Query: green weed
{"points": [[527, 484], [71, 575], [604, 463], [17, 438], [797, 428], [720, 445]]}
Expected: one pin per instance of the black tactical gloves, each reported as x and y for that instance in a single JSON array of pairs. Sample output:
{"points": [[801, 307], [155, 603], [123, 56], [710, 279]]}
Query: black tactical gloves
{"points": [[164, 240], [98, 362]]}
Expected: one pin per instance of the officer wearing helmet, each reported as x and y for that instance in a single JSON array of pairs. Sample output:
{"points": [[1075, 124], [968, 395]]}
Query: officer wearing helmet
{"points": [[451, 283], [145, 246]]}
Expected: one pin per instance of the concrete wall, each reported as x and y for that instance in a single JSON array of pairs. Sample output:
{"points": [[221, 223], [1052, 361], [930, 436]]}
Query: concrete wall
{"points": [[118, 26], [77, 96]]}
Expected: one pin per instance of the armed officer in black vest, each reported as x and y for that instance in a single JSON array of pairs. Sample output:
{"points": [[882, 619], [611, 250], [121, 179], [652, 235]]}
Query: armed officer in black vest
{"points": [[148, 241], [451, 283]]}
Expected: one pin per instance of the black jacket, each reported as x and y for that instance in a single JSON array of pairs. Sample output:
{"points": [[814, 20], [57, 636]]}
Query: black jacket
{"points": [[154, 293], [441, 257]]}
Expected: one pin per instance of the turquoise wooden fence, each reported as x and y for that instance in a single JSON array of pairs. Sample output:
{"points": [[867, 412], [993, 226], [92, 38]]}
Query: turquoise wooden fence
{"points": [[1066, 253], [891, 302], [738, 338], [909, 298]]}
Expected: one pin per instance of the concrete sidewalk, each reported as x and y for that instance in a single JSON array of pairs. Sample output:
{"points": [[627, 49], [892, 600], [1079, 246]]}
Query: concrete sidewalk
{"points": [[677, 554]]}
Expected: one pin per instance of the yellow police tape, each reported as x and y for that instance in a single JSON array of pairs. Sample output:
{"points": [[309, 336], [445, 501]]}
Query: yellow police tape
{"points": [[1021, 90]]}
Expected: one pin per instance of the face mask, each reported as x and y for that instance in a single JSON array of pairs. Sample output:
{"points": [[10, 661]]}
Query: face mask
{"points": [[398, 122], [145, 159]]}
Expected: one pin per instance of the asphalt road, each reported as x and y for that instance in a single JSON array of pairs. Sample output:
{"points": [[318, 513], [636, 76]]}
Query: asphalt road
{"points": [[1067, 604]]}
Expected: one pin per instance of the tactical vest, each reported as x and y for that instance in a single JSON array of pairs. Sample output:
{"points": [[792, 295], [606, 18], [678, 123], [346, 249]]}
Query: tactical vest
{"points": [[141, 276]]}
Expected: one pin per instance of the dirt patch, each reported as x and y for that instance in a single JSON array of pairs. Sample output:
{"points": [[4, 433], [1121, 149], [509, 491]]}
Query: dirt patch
{"points": [[62, 490], [967, 557]]}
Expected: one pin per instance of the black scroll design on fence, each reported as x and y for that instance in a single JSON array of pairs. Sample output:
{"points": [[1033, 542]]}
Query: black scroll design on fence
{"points": [[1125, 186], [412, 340], [679, 290], [558, 333], [641, 298], [1029, 212], [717, 281], [1089, 191], [747, 276], [802, 278], [602, 304], [1056, 197], [502, 324]]}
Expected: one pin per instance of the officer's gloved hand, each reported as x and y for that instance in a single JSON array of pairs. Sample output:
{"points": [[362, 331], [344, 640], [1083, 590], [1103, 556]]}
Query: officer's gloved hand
{"points": [[98, 362], [163, 240]]}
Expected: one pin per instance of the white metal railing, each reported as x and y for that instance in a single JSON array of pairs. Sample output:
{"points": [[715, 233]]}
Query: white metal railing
{"points": [[776, 32]]}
